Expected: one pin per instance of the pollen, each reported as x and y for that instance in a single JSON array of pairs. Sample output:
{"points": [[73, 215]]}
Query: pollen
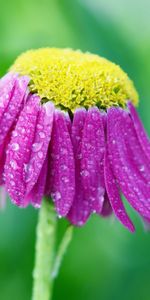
{"points": [[73, 79]]}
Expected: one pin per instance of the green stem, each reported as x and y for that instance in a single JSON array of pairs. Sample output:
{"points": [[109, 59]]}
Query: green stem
{"points": [[44, 260], [62, 250]]}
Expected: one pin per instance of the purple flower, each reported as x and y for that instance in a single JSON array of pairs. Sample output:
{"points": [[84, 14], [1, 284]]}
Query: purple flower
{"points": [[83, 156]]}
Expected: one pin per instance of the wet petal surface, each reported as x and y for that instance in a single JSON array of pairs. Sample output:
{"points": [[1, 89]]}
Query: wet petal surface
{"points": [[7, 85], [92, 162], [40, 144], [141, 133], [12, 95], [114, 197], [131, 183], [36, 195], [19, 151], [61, 169], [80, 210]]}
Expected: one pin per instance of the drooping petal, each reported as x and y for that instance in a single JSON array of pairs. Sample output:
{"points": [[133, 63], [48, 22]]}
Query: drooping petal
{"points": [[7, 84], [80, 210], [141, 133], [61, 175], [36, 194], [3, 151], [131, 184], [92, 164], [13, 107], [14, 91], [136, 153], [19, 151], [40, 144], [114, 197]]}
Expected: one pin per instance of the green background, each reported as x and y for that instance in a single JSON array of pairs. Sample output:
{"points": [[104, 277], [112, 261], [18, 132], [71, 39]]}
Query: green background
{"points": [[104, 260]]}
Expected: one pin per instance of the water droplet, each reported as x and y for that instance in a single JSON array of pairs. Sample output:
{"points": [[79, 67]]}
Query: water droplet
{"points": [[12, 182], [13, 164], [84, 173], [37, 146], [65, 179], [7, 116], [40, 154], [63, 167], [142, 168], [15, 133], [15, 146], [56, 196], [42, 135], [23, 130]]}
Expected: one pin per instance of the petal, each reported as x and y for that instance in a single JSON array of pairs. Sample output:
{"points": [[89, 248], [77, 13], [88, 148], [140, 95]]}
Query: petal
{"points": [[61, 175], [13, 107], [19, 151], [106, 209], [80, 210], [130, 182], [141, 133], [114, 197], [7, 84], [3, 151], [92, 167], [14, 93], [40, 144], [37, 193], [135, 151]]}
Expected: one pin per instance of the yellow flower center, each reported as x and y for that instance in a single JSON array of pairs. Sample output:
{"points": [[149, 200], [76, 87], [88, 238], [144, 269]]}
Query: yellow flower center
{"points": [[73, 79]]}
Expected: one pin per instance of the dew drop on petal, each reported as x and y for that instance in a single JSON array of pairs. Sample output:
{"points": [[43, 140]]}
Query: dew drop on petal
{"points": [[142, 168], [15, 146], [84, 173], [56, 196], [37, 146], [42, 135], [13, 164], [40, 154]]}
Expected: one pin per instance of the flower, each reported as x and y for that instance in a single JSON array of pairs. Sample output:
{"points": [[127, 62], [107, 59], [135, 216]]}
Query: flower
{"points": [[69, 130]]}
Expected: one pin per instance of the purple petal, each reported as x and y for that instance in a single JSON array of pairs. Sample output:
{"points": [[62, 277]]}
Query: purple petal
{"points": [[19, 151], [92, 165], [136, 154], [114, 197], [131, 183], [106, 209], [80, 210], [3, 151], [40, 144], [7, 84], [36, 195], [141, 133], [13, 95], [61, 176], [13, 107]]}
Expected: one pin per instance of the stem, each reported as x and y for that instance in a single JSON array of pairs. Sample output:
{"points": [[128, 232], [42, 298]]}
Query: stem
{"points": [[62, 250], [46, 232]]}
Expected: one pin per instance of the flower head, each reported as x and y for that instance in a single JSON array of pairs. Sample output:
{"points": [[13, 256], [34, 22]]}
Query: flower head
{"points": [[69, 130]]}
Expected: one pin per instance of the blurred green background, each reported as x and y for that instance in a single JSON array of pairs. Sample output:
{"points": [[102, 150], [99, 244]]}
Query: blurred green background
{"points": [[104, 261]]}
